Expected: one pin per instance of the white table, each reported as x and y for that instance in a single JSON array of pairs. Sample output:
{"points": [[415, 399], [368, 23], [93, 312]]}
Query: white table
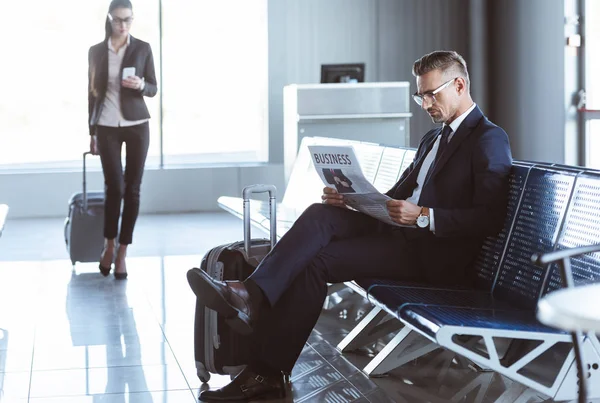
{"points": [[572, 309]]}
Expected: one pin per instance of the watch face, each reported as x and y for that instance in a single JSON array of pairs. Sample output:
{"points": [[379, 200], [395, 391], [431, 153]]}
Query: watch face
{"points": [[422, 221]]}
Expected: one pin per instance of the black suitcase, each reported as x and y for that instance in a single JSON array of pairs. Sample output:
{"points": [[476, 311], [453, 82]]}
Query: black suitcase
{"points": [[217, 348], [84, 224]]}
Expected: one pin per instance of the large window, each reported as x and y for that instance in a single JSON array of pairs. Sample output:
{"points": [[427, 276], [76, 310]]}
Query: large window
{"points": [[214, 89], [215, 80]]}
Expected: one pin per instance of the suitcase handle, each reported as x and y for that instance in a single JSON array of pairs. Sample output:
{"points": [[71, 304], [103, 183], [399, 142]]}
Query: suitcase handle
{"points": [[85, 201], [246, 192]]}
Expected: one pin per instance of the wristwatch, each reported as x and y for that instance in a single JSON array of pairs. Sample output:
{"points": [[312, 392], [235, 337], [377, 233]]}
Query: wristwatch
{"points": [[423, 218]]}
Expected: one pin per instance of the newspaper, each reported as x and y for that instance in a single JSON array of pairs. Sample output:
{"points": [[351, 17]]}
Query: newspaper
{"points": [[339, 169]]}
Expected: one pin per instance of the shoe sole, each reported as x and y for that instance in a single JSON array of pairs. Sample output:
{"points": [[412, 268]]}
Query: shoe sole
{"points": [[265, 396], [201, 283]]}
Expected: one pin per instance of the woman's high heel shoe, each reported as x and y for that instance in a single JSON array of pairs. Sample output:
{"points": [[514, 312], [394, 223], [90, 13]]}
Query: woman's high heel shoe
{"points": [[104, 270], [121, 254], [120, 275]]}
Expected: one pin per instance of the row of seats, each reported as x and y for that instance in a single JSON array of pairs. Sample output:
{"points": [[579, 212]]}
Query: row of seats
{"points": [[551, 207]]}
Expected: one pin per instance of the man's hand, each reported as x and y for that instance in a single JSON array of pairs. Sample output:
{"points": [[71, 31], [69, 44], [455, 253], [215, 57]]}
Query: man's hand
{"points": [[94, 145], [331, 196], [403, 212]]}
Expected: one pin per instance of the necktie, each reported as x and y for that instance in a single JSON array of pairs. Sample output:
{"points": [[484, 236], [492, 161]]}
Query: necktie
{"points": [[443, 141], [446, 131]]}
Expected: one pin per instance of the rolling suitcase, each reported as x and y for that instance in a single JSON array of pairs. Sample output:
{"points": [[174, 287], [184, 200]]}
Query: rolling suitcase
{"points": [[217, 348], [84, 224]]}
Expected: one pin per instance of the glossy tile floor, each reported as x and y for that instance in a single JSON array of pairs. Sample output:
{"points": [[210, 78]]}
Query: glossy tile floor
{"points": [[74, 336]]}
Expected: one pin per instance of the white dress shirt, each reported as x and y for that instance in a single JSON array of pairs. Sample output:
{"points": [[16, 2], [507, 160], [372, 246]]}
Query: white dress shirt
{"points": [[111, 109], [429, 158]]}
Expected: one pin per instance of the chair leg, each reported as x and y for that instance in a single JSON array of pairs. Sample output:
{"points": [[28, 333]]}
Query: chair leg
{"points": [[406, 346], [481, 381], [368, 330], [518, 393]]}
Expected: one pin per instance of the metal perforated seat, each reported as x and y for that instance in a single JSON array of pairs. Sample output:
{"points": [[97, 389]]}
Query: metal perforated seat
{"points": [[581, 228], [429, 319], [537, 220], [556, 200], [392, 295]]}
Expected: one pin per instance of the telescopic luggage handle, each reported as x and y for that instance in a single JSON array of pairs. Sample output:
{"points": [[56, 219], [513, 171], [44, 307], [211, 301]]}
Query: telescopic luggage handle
{"points": [[246, 192], [85, 201]]}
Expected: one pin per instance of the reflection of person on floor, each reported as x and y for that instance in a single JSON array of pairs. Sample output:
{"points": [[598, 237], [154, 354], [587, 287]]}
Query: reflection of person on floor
{"points": [[124, 353], [99, 315], [336, 177]]}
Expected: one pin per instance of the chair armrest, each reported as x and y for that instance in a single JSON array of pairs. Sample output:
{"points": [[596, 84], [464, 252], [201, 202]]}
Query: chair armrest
{"points": [[564, 254]]}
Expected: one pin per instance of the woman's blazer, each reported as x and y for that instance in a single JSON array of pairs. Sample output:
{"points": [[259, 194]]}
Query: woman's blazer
{"points": [[133, 107]]}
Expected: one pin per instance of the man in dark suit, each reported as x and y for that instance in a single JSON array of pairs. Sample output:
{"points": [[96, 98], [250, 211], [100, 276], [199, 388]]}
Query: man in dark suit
{"points": [[455, 191], [336, 177]]}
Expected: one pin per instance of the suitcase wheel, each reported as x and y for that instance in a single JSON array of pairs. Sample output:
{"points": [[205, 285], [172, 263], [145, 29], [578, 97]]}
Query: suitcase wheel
{"points": [[203, 375]]}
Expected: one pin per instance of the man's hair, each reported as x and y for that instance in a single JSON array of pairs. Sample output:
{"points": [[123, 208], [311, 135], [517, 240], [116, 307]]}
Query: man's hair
{"points": [[448, 62]]}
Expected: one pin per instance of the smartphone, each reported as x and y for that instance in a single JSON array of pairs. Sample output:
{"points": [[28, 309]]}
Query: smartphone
{"points": [[128, 72]]}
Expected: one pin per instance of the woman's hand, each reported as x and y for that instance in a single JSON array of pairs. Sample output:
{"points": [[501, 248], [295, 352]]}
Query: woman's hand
{"points": [[94, 145], [133, 82], [331, 196]]}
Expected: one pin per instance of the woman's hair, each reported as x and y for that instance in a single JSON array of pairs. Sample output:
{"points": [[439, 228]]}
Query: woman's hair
{"points": [[113, 5], [445, 61]]}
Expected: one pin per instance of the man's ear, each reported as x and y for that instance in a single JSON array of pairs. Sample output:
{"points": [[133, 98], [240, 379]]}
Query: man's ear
{"points": [[461, 85]]}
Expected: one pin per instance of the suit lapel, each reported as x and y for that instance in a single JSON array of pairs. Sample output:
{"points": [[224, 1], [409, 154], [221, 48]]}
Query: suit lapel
{"points": [[428, 144], [461, 134], [128, 52]]}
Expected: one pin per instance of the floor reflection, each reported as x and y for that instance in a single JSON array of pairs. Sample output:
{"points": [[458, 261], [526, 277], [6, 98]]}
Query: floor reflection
{"points": [[99, 314], [78, 337]]}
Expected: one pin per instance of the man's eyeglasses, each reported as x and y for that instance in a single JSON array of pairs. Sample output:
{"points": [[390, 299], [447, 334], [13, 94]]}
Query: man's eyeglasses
{"points": [[430, 95], [118, 21]]}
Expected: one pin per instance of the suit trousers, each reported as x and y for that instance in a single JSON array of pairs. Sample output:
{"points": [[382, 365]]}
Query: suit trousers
{"points": [[325, 245], [122, 185]]}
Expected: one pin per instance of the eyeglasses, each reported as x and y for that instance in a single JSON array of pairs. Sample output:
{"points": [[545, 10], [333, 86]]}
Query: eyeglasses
{"points": [[118, 21], [430, 95]]}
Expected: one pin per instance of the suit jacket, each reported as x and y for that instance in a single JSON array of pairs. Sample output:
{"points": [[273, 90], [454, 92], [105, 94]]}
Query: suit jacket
{"points": [[468, 190], [133, 107]]}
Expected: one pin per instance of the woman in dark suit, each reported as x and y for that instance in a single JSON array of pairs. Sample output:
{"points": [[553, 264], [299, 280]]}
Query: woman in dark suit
{"points": [[121, 73]]}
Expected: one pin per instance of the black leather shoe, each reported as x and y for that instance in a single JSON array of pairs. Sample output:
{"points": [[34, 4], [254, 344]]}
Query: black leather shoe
{"points": [[228, 298], [246, 386]]}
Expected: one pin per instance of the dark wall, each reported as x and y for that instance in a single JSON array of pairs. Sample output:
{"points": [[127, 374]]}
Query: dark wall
{"points": [[408, 29], [526, 75]]}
